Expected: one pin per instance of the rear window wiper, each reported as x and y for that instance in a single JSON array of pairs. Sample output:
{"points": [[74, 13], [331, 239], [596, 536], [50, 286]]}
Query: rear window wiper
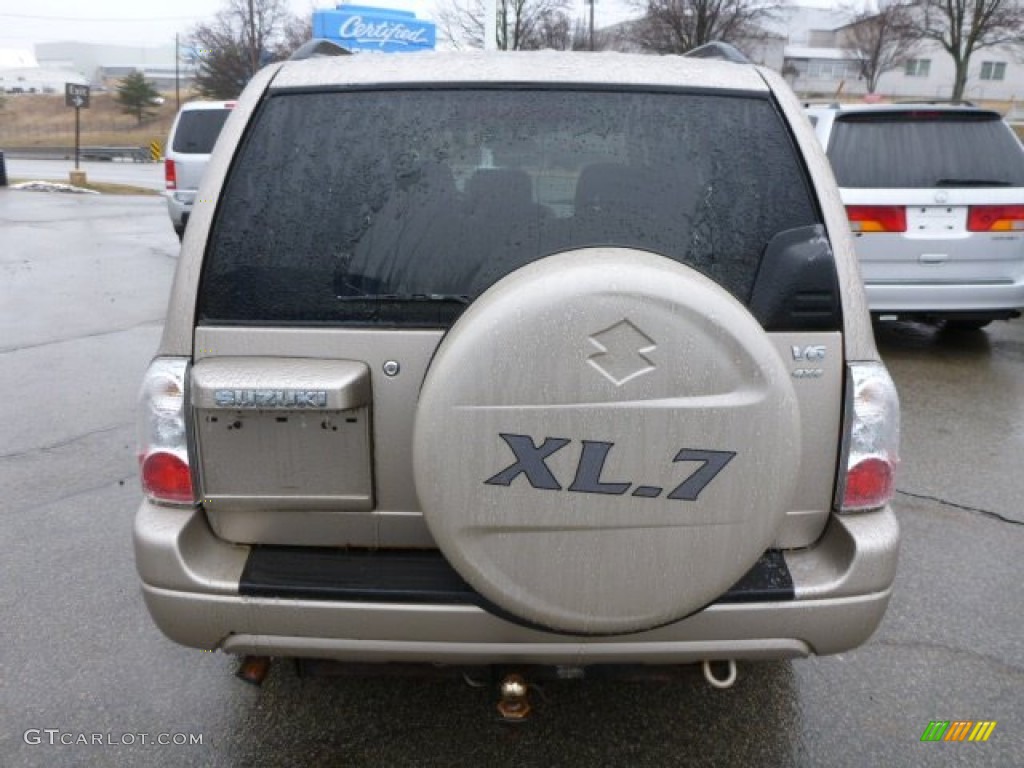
{"points": [[973, 183]]}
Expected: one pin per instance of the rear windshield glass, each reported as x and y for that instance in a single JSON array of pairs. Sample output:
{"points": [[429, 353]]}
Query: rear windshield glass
{"points": [[925, 149], [198, 129], [400, 207]]}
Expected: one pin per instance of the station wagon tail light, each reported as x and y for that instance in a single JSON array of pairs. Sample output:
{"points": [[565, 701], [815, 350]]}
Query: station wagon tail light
{"points": [[170, 175], [877, 218], [995, 218], [162, 437], [873, 434]]}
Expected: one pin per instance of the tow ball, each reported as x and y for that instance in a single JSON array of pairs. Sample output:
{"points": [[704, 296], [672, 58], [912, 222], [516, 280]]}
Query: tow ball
{"points": [[514, 704]]}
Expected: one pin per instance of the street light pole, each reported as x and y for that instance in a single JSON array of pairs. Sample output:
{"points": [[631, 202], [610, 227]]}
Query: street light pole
{"points": [[177, 59], [591, 23], [254, 55]]}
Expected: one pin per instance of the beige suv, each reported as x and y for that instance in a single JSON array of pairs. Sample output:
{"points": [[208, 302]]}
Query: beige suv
{"points": [[531, 358]]}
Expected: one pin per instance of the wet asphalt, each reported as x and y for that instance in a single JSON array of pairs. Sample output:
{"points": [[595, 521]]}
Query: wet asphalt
{"points": [[83, 286]]}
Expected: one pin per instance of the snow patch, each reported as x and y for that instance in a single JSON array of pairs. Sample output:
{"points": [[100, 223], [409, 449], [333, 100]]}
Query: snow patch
{"points": [[53, 186]]}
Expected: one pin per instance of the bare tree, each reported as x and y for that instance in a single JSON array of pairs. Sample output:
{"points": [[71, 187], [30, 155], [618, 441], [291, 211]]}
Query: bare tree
{"points": [[522, 24], [677, 26], [881, 41], [963, 27], [554, 30], [244, 36], [295, 31]]}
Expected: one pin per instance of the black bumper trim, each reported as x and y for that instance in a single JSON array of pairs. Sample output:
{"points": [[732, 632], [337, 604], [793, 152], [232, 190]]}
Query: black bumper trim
{"points": [[425, 577]]}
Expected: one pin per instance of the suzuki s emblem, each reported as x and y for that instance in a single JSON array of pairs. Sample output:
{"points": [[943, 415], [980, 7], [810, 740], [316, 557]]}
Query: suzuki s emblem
{"points": [[622, 352]]}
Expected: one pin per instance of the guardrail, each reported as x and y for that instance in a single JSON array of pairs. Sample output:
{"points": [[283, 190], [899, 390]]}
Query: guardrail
{"points": [[135, 154]]}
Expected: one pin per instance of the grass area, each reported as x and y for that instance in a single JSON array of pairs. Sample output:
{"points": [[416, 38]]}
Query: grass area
{"points": [[42, 120], [119, 189], [97, 186]]}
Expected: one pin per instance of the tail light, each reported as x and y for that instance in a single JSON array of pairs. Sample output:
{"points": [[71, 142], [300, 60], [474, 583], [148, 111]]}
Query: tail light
{"points": [[163, 444], [877, 218], [874, 437], [995, 218], [170, 175]]}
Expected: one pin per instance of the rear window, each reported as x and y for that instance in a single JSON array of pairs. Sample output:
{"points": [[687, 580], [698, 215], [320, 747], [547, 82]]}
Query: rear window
{"points": [[198, 129], [925, 148], [400, 207]]}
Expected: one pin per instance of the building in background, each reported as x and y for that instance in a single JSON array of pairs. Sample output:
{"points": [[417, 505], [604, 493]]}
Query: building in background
{"points": [[809, 47], [818, 63], [20, 72], [104, 65]]}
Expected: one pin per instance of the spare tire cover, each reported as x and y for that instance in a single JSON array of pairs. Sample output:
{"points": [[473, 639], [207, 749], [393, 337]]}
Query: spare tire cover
{"points": [[606, 441]]}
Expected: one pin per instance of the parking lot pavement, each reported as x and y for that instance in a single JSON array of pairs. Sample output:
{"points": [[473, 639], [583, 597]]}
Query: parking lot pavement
{"points": [[965, 440], [145, 175], [84, 284]]}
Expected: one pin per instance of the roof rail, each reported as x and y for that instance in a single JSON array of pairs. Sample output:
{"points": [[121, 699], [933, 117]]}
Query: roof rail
{"points": [[718, 50], [316, 48]]}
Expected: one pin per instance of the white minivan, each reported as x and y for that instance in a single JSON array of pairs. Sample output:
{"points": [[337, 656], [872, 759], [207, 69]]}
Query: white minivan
{"points": [[935, 198], [193, 134]]}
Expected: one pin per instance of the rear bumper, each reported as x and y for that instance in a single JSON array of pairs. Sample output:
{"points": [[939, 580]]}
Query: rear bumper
{"points": [[191, 585], [179, 206], [1002, 299]]}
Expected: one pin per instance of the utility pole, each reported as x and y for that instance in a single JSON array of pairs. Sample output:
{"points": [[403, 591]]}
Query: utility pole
{"points": [[177, 91], [490, 25], [254, 54]]}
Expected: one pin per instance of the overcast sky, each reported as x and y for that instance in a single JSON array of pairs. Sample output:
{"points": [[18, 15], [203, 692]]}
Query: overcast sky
{"points": [[148, 23], [143, 22]]}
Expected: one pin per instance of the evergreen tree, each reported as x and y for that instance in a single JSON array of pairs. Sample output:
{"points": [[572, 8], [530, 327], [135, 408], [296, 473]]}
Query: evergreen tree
{"points": [[135, 94]]}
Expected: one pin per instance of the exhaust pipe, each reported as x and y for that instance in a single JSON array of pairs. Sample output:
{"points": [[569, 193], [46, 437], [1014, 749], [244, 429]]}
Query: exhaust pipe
{"points": [[253, 669]]}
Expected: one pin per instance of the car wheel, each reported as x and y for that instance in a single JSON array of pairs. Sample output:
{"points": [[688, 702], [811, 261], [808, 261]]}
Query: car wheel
{"points": [[606, 441]]}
